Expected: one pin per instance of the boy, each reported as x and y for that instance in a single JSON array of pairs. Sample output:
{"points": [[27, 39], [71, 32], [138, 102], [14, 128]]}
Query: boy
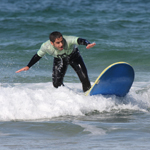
{"points": [[63, 49]]}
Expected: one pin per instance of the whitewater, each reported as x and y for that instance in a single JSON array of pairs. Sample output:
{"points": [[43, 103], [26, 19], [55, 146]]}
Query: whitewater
{"points": [[41, 101]]}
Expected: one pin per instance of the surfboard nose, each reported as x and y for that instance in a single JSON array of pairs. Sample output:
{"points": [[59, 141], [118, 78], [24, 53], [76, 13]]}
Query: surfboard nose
{"points": [[116, 79]]}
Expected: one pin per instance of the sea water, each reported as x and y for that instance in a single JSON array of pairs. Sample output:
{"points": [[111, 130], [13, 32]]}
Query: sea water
{"points": [[34, 115]]}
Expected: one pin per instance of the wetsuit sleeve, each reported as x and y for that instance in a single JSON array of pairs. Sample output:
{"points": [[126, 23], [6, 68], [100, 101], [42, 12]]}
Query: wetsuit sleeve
{"points": [[83, 41], [34, 59]]}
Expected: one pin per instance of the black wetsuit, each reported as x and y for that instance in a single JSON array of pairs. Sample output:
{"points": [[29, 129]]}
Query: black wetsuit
{"points": [[61, 63]]}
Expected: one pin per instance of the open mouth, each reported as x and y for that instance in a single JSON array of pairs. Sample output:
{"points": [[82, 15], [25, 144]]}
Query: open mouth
{"points": [[61, 48]]}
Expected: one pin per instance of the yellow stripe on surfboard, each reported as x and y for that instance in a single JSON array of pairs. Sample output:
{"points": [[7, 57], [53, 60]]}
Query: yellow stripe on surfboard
{"points": [[98, 79]]}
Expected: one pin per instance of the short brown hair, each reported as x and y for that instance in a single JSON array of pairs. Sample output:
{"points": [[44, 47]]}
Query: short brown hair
{"points": [[54, 35]]}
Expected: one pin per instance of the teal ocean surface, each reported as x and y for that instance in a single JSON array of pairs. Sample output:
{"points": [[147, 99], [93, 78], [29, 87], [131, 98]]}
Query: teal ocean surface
{"points": [[34, 115]]}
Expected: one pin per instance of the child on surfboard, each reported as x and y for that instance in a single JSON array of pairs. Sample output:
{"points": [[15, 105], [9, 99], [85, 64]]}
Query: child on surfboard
{"points": [[65, 53]]}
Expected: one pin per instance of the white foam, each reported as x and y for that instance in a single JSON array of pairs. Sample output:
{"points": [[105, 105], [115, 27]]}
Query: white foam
{"points": [[33, 101]]}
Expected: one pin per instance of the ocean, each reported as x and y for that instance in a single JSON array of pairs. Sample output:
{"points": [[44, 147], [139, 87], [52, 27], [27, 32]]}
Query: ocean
{"points": [[36, 116]]}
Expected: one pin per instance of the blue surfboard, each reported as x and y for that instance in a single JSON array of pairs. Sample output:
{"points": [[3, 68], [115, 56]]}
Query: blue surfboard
{"points": [[116, 79]]}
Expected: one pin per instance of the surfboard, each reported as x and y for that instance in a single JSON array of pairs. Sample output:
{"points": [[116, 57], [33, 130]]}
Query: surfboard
{"points": [[116, 79]]}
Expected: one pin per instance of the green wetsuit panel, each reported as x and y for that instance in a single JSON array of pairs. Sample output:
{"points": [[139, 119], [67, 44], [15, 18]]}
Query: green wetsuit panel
{"points": [[69, 44]]}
